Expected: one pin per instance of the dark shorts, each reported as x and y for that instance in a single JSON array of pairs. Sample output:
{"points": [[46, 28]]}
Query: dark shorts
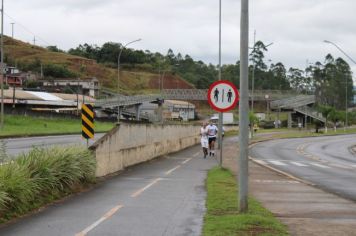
{"points": [[212, 139]]}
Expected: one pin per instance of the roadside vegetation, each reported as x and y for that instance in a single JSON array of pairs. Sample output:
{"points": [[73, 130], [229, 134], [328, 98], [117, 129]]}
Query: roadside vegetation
{"points": [[28, 126], [42, 176], [222, 216]]}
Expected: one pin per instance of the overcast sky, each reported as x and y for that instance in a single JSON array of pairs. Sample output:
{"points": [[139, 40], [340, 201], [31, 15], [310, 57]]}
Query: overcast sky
{"points": [[297, 28]]}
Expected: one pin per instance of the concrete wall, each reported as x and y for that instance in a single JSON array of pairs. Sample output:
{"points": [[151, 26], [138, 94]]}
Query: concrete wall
{"points": [[130, 144]]}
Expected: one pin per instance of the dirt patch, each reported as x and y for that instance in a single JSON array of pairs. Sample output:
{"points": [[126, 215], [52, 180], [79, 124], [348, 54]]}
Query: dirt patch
{"points": [[169, 82]]}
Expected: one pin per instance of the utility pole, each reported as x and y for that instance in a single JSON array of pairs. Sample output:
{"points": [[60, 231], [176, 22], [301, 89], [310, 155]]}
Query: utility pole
{"points": [[12, 29], [243, 110], [2, 65], [41, 71], [220, 128], [34, 40], [253, 83]]}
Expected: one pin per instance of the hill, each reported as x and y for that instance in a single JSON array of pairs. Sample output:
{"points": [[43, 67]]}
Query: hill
{"points": [[59, 64]]}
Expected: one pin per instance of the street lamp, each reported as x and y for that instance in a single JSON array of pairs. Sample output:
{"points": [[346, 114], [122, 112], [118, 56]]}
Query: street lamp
{"points": [[118, 75], [327, 41]]}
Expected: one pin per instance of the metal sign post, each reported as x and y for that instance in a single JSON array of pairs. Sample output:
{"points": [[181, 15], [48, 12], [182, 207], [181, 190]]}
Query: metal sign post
{"points": [[243, 114], [222, 96]]}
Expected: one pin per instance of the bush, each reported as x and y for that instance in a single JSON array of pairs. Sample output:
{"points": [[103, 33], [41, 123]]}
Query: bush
{"points": [[267, 124], [38, 177]]}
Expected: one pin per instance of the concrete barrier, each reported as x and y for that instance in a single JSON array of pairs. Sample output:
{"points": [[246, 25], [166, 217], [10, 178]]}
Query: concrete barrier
{"points": [[130, 144]]}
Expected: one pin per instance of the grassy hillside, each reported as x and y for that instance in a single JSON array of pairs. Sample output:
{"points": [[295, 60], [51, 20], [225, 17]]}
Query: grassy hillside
{"points": [[30, 57]]}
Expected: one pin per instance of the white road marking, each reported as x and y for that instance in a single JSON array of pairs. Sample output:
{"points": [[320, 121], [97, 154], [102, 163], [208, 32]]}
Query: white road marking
{"points": [[298, 164], [319, 165], [173, 169], [261, 162], [277, 163], [196, 154], [137, 193], [276, 181], [96, 223], [186, 160]]}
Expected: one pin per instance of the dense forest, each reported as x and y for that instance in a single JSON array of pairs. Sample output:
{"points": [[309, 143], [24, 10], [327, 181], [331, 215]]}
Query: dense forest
{"points": [[327, 80]]}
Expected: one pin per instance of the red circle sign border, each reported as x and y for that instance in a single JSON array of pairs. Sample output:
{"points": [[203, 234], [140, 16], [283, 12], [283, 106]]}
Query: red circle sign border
{"points": [[235, 100]]}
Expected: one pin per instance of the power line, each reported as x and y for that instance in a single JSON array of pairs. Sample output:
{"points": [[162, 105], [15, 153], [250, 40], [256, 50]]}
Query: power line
{"points": [[28, 30]]}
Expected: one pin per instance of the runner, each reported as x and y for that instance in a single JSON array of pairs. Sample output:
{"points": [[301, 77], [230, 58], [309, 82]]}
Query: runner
{"points": [[204, 139], [212, 131]]}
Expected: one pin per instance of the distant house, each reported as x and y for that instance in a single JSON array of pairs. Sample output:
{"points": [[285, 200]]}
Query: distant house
{"points": [[180, 109], [15, 78], [87, 86]]}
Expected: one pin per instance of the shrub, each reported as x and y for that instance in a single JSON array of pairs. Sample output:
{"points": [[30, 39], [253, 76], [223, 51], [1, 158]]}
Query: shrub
{"points": [[42, 175]]}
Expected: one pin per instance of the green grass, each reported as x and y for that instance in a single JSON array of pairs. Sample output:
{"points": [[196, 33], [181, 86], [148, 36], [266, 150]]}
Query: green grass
{"points": [[222, 217], [27, 126]]}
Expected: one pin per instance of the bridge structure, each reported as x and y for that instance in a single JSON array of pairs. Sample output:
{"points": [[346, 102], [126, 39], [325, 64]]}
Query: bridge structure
{"points": [[122, 105], [300, 107]]}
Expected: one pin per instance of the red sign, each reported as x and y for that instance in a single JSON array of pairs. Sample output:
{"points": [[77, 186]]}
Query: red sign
{"points": [[223, 96]]}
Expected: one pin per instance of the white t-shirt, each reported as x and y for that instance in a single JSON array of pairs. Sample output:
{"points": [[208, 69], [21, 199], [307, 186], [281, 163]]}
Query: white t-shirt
{"points": [[212, 130], [204, 132], [204, 137]]}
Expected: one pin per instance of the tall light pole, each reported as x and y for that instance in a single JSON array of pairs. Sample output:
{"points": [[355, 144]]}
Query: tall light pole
{"points": [[220, 127], [346, 105], [118, 76], [12, 29], [2, 65], [243, 109]]}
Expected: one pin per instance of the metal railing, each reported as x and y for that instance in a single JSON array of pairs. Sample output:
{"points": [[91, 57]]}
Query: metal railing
{"points": [[311, 113]]}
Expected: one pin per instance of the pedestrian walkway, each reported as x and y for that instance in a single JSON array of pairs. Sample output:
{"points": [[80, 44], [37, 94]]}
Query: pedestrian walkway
{"points": [[305, 210]]}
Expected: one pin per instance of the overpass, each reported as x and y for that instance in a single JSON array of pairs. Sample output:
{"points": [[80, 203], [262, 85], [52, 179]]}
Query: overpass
{"points": [[118, 104], [299, 105]]}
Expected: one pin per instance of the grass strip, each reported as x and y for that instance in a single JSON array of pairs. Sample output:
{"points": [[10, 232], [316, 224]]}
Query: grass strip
{"points": [[26, 126], [222, 217]]}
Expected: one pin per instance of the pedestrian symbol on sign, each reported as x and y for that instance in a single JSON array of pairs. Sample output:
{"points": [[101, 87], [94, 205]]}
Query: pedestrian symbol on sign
{"points": [[229, 96], [216, 95]]}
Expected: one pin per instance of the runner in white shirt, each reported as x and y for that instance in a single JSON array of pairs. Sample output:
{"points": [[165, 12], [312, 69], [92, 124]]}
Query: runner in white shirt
{"points": [[204, 139], [212, 131]]}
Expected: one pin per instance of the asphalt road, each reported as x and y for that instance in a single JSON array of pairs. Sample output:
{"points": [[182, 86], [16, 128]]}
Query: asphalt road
{"points": [[327, 162], [15, 146], [162, 197]]}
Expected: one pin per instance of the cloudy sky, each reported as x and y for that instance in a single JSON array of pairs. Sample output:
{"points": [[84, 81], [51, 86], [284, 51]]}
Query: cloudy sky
{"points": [[297, 28]]}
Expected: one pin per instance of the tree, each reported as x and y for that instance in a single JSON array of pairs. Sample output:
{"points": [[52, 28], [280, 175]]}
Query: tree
{"points": [[326, 111], [54, 48], [331, 81], [297, 80]]}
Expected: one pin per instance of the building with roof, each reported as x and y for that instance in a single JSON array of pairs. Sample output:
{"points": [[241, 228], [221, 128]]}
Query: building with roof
{"points": [[25, 101], [88, 86]]}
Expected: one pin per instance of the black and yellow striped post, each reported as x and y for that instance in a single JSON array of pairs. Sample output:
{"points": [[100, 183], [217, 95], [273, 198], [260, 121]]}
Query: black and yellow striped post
{"points": [[87, 121]]}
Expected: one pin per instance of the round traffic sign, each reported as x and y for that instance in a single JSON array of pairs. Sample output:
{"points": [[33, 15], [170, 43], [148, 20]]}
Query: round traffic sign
{"points": [[223, 96]]}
